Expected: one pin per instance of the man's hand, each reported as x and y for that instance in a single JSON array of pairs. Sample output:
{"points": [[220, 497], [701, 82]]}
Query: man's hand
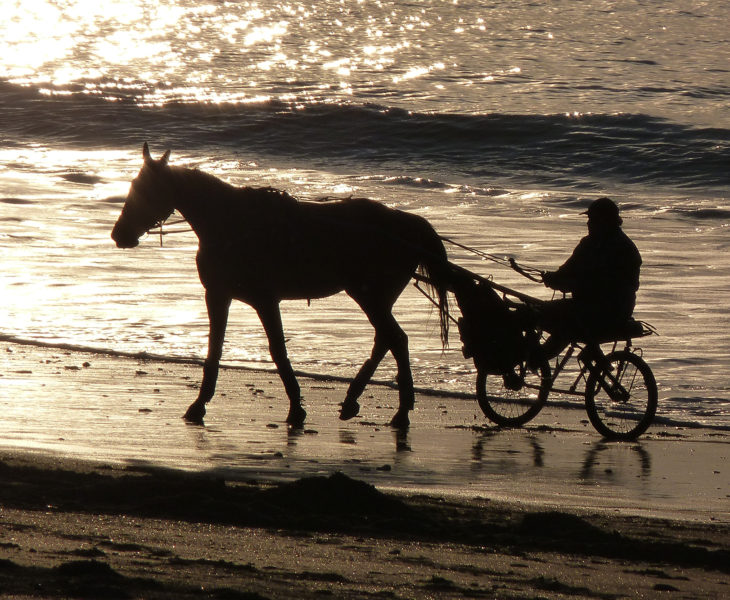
{"points": [[548, 278]]}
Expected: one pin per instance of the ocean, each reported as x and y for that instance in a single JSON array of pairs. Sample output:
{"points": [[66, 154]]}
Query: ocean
{"points": [[497, 121]]}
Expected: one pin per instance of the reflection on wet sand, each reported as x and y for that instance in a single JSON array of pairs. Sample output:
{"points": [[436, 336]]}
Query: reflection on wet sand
{"points": [[600, 458], [401, 440], [593, 464], [529, 465], [479, 450]]}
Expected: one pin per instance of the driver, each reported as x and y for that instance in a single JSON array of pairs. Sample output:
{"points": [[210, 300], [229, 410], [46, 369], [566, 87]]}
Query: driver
{"points": [[602, 276]]}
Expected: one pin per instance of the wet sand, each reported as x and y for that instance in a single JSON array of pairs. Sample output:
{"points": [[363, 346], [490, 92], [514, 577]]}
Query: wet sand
{"points": [[107, 493]]}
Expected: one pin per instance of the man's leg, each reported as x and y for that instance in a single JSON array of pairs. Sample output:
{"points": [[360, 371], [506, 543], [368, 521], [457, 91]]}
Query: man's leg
{"points": [[561, 320]]}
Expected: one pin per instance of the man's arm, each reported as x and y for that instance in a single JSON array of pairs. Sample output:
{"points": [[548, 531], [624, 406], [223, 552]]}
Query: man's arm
{"points": [[571, 273]]}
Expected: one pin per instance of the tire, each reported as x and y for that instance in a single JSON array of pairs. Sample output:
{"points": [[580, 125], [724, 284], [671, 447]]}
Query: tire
{"points": [[624, 418], [513, 408]]}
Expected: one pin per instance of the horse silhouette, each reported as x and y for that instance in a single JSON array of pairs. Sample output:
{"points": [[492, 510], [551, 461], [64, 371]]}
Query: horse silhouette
{"points": [[261, 246]]}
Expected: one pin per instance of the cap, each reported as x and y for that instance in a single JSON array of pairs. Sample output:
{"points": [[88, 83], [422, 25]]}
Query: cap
{"points": [[605, 210]]}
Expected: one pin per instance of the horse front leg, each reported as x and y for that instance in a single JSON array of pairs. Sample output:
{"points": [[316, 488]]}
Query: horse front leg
{"points": [[271, 320], [218, 307]]}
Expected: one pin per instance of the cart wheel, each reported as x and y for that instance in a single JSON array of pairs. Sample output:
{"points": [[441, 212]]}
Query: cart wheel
{"points": [[510, 407], [621, 403]]}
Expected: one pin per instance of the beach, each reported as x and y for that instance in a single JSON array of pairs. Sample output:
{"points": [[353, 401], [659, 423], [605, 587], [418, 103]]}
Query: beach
{"points": [[122, 499], [499, 123]]}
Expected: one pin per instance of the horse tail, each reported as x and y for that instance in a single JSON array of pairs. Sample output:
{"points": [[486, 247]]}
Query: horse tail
{"points": [[434, 266]]}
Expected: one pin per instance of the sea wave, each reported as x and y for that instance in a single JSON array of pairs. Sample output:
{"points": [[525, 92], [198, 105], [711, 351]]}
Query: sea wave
{"points": [[702, 214], [557, 150]]}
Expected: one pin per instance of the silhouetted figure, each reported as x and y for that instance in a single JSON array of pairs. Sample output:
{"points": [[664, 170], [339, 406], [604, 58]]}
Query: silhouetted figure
{"points": [[602, 276], [261, 246]]}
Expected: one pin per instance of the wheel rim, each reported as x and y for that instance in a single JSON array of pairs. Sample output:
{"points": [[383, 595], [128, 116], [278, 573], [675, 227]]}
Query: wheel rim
{"points": [[624, 405], [513, 407]]}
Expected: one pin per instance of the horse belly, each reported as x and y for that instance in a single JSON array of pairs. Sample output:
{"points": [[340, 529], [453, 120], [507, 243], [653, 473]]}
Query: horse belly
{"points": [[311, 279], [269, 277]]}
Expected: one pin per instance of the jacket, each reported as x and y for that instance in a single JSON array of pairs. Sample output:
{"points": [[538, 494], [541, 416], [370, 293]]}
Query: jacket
{"points": [[602, 273]]}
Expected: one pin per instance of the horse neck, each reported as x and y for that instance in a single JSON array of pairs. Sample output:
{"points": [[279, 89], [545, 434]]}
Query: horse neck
{"points": [[198, 197]]}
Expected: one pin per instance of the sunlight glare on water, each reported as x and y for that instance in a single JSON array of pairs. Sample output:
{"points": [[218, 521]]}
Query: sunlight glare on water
{"points": [[39, 37], [433, 55]]}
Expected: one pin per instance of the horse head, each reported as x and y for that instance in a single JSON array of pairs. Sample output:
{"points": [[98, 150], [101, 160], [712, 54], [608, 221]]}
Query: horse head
{"points": [[149, 202]]}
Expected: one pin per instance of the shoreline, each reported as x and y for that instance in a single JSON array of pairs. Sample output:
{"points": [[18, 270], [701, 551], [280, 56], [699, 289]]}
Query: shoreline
{"points": [[321, 377]]}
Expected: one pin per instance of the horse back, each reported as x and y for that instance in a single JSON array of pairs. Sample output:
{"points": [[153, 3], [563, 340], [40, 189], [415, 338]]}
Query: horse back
{"points": [[368, 232]]}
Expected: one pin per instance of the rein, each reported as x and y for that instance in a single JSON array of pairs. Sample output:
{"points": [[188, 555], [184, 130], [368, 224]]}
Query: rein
{"points": [[530, 273], [159, 226]]}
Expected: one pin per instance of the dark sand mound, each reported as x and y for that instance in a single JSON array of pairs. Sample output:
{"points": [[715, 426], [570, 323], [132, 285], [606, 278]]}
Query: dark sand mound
{"points": [[339, 503]]}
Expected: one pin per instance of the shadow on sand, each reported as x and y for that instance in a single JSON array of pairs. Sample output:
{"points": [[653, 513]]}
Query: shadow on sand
{"points": [[340, 504]]}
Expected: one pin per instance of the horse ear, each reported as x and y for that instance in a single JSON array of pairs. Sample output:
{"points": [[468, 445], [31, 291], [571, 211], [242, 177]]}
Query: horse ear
{"points": [[151, 161], [146, 153]]}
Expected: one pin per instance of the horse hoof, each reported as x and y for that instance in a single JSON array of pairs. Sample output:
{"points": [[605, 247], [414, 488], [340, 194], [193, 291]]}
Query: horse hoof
{"points": [[296, 417], [400, 420], [195, 414], [349, 409]]}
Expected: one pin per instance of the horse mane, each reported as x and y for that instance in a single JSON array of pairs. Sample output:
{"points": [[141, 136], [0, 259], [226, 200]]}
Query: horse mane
{"points": [[267, 194], [194, 175]]}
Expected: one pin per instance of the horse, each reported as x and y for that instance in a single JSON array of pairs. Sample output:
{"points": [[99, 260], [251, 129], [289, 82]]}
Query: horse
{"points": [[261, 246]]}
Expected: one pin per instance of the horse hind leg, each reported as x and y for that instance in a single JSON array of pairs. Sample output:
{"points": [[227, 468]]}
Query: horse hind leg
{"points": [[391, 336], [271, 320], [351, 407], [406, 392]]}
